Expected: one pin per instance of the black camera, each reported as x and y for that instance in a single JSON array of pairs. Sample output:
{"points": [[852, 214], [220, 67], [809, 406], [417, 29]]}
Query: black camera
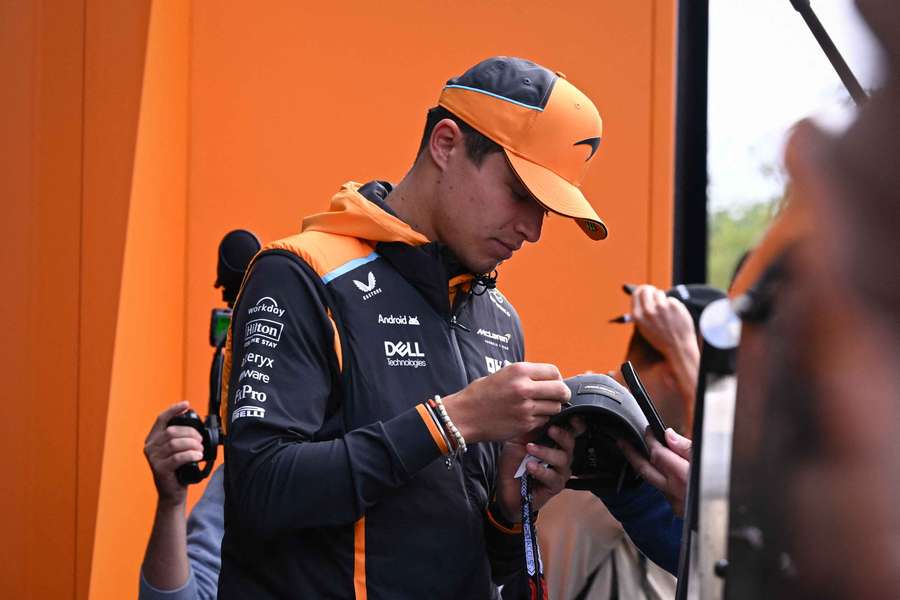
{"points": [[236, 250]]}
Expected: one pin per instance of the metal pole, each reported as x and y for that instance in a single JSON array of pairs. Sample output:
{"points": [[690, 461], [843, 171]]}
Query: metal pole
{"points": [[834, 56]]}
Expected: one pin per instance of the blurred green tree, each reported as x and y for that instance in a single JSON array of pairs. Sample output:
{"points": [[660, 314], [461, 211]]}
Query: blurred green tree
{"points": [[733, 232]]}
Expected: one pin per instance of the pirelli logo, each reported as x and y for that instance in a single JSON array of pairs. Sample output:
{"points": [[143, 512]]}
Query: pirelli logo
{"points": [[248, 411]]}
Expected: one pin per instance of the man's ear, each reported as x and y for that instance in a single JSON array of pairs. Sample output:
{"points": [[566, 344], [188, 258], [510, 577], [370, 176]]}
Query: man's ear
{"points": [[445, 137]]}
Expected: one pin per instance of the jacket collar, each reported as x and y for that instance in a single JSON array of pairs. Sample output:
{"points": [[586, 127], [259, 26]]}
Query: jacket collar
{"points": [[361, 211]]}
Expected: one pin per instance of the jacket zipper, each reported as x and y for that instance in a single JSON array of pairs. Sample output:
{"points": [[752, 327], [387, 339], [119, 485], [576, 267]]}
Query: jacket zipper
{"points": [[454, 325]]}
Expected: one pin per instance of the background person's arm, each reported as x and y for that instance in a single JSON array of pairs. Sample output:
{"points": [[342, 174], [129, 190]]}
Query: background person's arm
{"points": [[667, 325], [165, 568]]}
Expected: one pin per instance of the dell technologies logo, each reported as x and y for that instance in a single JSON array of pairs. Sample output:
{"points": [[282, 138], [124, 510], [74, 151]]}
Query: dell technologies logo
{"points": [[408, 352]]}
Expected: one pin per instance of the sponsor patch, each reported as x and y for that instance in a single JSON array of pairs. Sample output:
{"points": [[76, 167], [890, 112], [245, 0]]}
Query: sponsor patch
{"points": [[254, 374], [498, 300], [248, 411], [368, 288], [495, 339], [253, 358], [263, 331], [495, 364], [266, 304], [246, 392], [594, 388], [398, 319], [404, 354]]}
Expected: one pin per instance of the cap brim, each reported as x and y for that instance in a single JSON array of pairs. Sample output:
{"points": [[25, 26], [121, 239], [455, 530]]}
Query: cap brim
{"points": [[558, 195]]}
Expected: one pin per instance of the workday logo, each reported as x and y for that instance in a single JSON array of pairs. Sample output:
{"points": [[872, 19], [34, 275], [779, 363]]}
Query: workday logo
{"points": [[367, 288], [266, 304]]}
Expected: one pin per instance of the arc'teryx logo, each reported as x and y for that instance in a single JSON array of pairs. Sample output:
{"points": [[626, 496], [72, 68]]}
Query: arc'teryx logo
{"points": [[368, 287], [257, 359], [266, 304]]}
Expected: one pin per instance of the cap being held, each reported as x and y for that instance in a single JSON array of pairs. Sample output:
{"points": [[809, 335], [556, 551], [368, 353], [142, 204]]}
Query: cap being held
{"points": [[548, 129]]}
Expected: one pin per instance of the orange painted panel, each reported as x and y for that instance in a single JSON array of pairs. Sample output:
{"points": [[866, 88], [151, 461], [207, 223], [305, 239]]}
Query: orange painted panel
{"points": [[147, 357], [40, 167], [115, 36], [660, 233]]}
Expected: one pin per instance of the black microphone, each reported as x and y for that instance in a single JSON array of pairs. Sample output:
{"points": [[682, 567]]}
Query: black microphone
{"points": [[235, 251]]}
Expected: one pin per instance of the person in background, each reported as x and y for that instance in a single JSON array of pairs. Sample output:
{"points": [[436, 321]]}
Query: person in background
{"points": [[588, 556], [182, 559]]}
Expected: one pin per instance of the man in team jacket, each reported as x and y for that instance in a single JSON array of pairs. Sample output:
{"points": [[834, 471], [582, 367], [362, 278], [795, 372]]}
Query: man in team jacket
{"points": [[346, 477]]}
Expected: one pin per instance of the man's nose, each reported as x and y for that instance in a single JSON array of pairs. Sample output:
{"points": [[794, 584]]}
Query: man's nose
{"points": [[531, 222]]}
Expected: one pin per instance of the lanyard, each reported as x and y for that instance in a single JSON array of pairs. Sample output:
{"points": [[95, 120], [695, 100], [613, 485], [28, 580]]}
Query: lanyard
{"points": [[533, 564]]}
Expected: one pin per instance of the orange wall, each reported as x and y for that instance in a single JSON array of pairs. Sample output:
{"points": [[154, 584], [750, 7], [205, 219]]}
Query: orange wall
{"points": [[138, 133], [149, 333], [41, 49], [113, 70]]}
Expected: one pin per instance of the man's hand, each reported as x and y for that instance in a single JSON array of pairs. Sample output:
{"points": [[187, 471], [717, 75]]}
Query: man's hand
{"points": [[509, 403], [663, 321], [166, 449], [546, 481], [667, 325], [667, 470]]}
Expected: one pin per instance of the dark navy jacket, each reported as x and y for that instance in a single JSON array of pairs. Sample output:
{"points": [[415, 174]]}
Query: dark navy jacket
{"points": [[335, 485]]}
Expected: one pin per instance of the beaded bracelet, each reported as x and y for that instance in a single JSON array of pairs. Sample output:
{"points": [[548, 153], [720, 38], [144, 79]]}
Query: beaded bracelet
{"points": [[448, 459], [461, 447]]}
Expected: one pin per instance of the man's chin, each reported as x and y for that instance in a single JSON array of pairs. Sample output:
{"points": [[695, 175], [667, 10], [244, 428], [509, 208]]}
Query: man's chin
{"points": [[484, 266]]}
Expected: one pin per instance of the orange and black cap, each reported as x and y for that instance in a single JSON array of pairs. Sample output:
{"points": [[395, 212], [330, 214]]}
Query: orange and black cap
{"points": [[549, 130]]}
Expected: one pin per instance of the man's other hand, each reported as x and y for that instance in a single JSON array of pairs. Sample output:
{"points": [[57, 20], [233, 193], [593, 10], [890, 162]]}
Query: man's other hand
{"points": [[166, 449], [547, 481]]}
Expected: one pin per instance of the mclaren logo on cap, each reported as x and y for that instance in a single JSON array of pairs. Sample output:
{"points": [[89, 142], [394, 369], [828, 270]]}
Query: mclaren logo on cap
{"points": [[593, 142]]}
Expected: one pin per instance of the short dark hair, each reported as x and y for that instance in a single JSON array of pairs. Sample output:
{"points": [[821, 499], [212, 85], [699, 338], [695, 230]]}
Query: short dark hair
{"points": [[477, 145]]}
